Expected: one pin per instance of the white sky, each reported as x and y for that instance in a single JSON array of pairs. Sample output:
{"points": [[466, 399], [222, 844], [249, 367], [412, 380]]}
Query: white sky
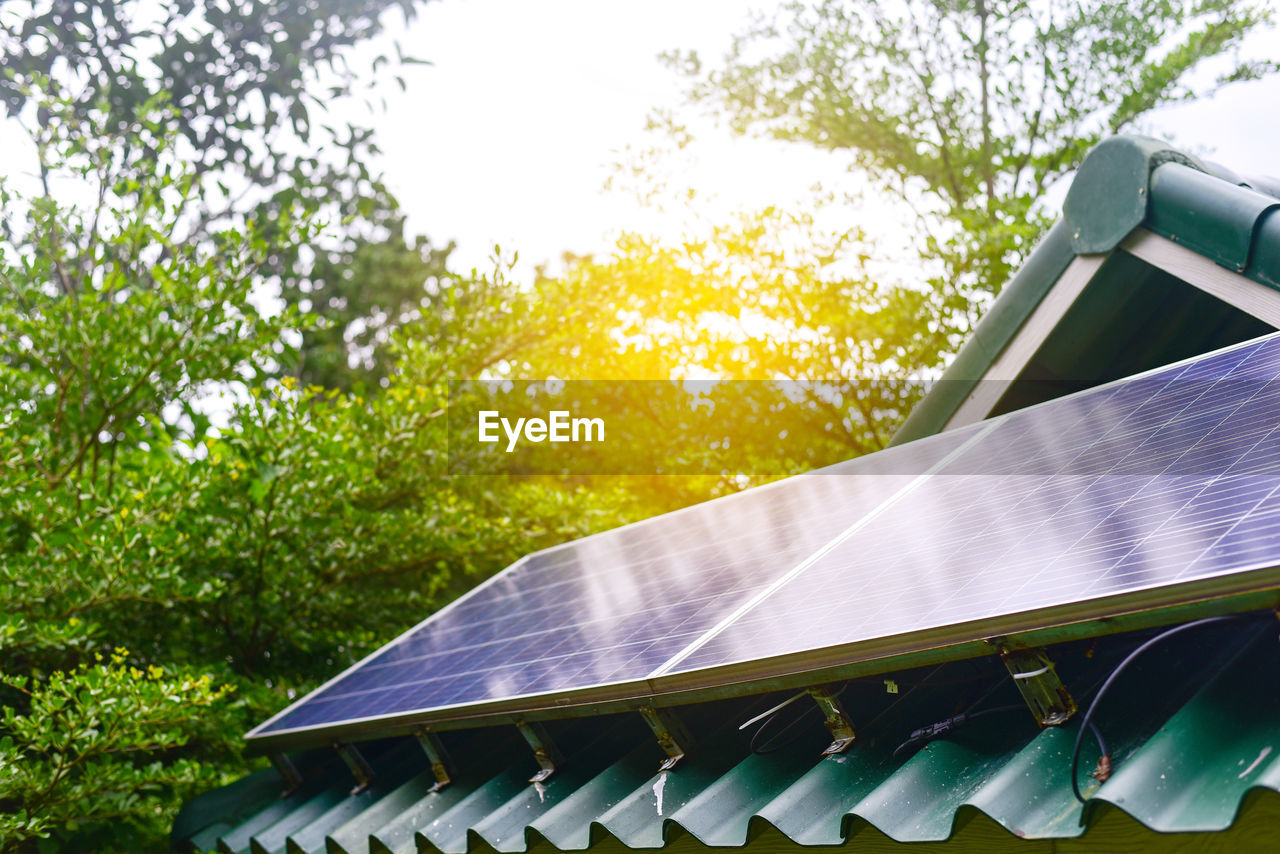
{"points": [[507, 137]]}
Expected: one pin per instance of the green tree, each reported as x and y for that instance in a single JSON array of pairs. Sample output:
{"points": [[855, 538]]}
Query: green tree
{"points": [[184, 540], [250, 84], [968, 111], [110, 317], [771, 296]]}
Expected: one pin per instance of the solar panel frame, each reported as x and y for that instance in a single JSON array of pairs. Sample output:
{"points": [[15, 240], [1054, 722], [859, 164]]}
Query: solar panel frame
{"points": [[868, 467], [1245, 589], [1256, 577]]}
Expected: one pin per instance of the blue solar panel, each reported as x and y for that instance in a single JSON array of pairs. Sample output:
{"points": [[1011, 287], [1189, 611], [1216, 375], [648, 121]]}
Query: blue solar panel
{"points": [[1164, 479], [1167, 478], [613, 607]]}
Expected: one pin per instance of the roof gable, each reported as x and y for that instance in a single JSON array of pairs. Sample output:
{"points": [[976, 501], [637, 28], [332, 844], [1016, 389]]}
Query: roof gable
{"points": [[1209, 231]]}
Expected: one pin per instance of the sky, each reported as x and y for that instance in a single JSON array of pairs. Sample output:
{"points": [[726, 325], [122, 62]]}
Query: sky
{"points": [[507, 137]]}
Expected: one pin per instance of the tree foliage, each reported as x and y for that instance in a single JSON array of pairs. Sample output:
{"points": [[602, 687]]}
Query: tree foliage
{"points": [[83, 758], [185, 539], [250, 85], [967, 112], [771, 301]]}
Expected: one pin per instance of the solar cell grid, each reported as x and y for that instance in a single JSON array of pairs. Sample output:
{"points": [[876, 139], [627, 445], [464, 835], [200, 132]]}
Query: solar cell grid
{"points": [[612, 607], [1169, 477]]}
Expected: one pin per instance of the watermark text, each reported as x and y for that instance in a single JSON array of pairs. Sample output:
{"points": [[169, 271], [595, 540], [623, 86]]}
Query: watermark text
{"points": [[558, 426]]}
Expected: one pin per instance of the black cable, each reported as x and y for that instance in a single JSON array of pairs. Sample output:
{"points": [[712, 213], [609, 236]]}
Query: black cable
{"points": [[1087, 720], [926, 734], [771, 746]]}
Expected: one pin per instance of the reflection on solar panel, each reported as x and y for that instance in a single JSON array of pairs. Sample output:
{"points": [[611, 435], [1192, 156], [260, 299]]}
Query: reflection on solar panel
{"points": [[615, 606], [1168, 478], [1156, 483]]}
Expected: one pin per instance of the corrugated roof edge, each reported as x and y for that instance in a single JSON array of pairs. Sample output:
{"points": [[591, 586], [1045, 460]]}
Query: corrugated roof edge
{"points": [[1201, 770], [1124, 182], [854, 828]]}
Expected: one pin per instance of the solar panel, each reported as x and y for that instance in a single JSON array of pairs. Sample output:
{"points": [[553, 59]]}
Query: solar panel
{"points": [[1167, 479], [1148, 491], [613, 607]]}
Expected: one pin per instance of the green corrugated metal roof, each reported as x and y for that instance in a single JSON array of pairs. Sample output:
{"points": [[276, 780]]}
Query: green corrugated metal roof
{"points": [[1195, 730]]}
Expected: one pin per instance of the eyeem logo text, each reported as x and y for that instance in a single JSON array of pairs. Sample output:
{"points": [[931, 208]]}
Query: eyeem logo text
{"points": [[557, 427]]}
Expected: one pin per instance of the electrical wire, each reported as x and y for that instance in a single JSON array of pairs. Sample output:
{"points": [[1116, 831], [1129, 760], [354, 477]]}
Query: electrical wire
{"points": [[926, 734], [1087, 720], [772, 745], [768, 717], [927, 682]]}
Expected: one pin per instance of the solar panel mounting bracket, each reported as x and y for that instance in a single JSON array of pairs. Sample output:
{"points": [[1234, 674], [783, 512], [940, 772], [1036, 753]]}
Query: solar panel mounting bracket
{"points": [[544, 749], [357, 764], [671, 734], [436, 755], [288, 771], [835, 718], [1037, 680]]}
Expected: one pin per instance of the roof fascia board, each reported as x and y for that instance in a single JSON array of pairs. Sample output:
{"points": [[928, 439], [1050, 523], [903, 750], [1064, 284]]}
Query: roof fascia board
{"points": [[993, 333], [1251, 297], [1124, 183], [1010, 362]]}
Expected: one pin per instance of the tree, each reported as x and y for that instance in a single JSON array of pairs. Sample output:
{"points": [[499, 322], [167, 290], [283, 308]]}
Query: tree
{"points": [[185, 540], [249, 84], [110, 316], [360, 289], [783, 309], [968, 111]]}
